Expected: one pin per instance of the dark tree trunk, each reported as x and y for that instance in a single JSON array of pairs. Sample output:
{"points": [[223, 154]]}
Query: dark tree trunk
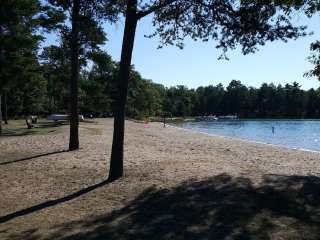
{"points": [[74, 117], [0, 115], [5, 108], [116, 162]]}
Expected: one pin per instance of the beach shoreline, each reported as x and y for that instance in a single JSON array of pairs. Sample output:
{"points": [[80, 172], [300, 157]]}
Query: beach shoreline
{"points": [[37, 169], [246, 140]]}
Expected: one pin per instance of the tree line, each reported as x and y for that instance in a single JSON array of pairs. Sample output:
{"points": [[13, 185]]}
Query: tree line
{"points": [[59, 78], [48, 94], [267, 101]]}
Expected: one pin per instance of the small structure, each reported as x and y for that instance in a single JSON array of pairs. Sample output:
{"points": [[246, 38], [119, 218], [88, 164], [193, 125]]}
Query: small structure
{"points": [[62, 117]]}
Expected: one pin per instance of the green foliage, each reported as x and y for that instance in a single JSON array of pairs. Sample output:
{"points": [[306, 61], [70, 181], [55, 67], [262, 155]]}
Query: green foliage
{"points": [[21, 23], [178, 101], [91, 16], [49, 94], [312, 7], [56, 68], [144, 97], [315, 60], [18, 41], [28, 97], [268, 101], [97, 85]]}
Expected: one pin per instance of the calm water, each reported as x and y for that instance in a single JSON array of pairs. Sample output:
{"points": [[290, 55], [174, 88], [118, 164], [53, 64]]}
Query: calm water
{"points": [[301, 134]]}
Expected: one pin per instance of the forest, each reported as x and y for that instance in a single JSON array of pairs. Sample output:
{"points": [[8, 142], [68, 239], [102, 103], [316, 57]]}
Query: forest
{"points": [[46, 92]]}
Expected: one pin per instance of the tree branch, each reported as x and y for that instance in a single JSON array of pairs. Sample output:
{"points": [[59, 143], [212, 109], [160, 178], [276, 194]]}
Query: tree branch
{"points": [[154, 8]]}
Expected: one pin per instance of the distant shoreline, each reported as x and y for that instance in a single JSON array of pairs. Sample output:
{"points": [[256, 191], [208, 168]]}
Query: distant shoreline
{"points": [[191, 119]]}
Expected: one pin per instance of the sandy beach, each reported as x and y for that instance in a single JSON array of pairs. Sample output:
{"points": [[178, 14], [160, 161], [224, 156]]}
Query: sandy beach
{"points": [[177, 185]]}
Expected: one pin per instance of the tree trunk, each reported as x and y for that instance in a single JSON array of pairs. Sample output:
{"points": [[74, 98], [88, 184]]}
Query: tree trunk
{"points": [[5, 108], [0, 115], [74, 116], [116, 162]]}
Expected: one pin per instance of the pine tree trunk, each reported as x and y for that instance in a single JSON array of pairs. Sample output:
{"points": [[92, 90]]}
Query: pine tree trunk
{"points": [[0, 115], [74, 116], [5, 108], [116, 162]]}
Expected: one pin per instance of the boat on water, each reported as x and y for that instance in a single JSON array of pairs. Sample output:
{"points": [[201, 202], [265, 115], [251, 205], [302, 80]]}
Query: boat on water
{"points": [[207, 118], [215, 118], [228, 117]]}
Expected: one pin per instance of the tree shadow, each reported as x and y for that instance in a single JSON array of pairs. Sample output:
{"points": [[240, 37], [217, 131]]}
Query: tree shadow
{"points": [[221, 207], [32, 157], [17, 132], [51, 203], [51, 124], [38, 128]]}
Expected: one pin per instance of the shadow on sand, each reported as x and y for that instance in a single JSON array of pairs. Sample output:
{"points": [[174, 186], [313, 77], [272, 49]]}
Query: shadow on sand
{"points": [[50, 203], [221, 207], [32, 157]]}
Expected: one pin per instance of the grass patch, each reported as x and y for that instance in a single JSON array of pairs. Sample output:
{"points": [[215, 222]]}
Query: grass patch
{"points": [[19, 128], [42, 127]]}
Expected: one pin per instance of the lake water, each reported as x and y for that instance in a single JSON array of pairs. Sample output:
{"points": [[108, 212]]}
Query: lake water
{"points": [[299, 134]]}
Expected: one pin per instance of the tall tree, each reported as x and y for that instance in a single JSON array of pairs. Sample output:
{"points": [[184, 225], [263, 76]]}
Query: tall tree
{"points": [[116, 162], [178, 101], [236, 98], [86, 33], [313, 104], [16, 38], [294, 100], [144, 97], [248, 23], [56, 65], [20, 22], [74, 43], [97, 85], [267, 100]]}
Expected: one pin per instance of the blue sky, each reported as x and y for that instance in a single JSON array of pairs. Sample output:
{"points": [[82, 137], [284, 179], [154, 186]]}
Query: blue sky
{"points": [[197, 64]]}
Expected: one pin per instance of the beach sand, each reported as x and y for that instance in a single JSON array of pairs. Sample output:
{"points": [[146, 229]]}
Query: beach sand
{"points": [[177, 185]]}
